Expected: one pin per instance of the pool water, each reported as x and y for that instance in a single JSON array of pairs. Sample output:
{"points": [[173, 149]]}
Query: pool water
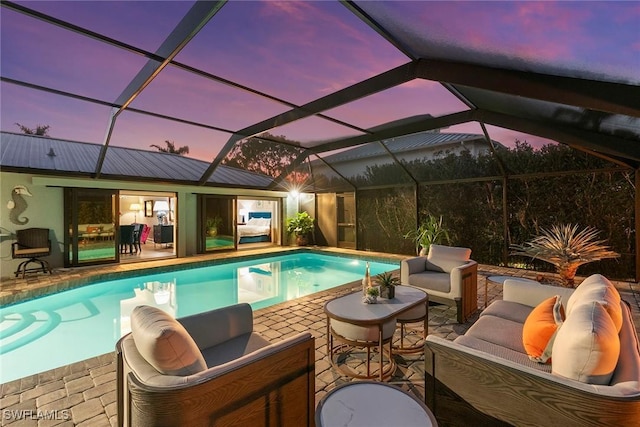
{"points": [[74, 325]]}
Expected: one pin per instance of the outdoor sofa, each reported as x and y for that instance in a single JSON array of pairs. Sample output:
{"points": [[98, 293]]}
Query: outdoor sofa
{"points": [[212, 369], [489, 377]]}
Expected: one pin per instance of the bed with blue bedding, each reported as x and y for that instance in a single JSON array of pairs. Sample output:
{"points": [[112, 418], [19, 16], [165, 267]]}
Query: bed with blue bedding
{"points": [[256, 229]]}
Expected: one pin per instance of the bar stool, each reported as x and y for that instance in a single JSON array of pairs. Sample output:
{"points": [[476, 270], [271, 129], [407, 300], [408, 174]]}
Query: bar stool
{"points": [[351, 335], [414, 315]]}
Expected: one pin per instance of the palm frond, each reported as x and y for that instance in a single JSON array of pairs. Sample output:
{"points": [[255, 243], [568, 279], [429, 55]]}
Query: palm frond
{"points": [[566, 247]]}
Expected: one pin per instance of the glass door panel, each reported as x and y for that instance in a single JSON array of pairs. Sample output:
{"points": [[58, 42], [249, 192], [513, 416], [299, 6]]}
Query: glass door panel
{"points": [[217, 223], [346, 214], [90, 216]]}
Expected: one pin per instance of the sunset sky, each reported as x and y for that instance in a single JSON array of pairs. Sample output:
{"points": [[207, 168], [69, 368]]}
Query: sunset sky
{"points": [[296, 52]]}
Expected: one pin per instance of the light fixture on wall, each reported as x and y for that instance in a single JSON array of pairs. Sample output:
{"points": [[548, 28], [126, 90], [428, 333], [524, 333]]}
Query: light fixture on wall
{"points": [[135, 207]]}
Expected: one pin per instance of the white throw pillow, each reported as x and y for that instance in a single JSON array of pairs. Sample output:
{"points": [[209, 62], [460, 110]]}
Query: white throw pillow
{"points": [[587, 346], [165, 343], [597, 288]]}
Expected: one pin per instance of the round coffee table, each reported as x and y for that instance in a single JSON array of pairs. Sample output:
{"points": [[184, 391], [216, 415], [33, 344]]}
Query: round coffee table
{"points": [[368, 403]]}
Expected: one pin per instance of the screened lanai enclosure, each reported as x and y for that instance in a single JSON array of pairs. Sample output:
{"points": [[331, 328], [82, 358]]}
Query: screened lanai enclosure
{"points": [[501, 117]]}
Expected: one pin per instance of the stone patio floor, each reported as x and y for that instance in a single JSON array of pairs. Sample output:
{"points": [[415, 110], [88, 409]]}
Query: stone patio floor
{"points": [[84, 393]]}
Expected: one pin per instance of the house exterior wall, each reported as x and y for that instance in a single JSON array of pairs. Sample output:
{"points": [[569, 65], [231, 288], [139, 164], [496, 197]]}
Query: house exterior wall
{"points": [[45, 209]]}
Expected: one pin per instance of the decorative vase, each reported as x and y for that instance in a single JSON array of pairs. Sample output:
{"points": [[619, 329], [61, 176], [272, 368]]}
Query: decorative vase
{"points": [[388, 292], [213, 232], [301, 240], [366, 281]]}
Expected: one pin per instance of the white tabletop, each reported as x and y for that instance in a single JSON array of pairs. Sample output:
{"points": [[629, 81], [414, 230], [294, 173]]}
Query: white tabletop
{"points": [[350, 308], [370, 404]]}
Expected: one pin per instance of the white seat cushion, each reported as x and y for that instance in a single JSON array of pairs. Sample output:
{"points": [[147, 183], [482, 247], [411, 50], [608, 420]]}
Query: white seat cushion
{"points": [[432, 280], [418, 312], [164, 343], [363, 333]]}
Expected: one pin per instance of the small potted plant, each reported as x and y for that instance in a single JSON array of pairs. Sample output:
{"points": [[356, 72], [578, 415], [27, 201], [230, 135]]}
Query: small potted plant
{"points": [[372, 295], [212, 225], [301, 225], [431, 231], [388, 284]]}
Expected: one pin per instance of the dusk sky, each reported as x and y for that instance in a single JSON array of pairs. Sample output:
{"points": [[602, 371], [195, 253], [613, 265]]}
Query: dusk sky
{"points": [[294, 51]]}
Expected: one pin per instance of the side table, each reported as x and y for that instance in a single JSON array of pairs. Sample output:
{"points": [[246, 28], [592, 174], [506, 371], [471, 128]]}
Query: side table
{"points": [[368, 403]]}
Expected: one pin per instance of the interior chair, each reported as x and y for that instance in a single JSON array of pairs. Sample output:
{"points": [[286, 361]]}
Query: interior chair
{"points": [[137, 236], [126, 235], [31, 243], [145, 233], [212, 369], [448, 275]]}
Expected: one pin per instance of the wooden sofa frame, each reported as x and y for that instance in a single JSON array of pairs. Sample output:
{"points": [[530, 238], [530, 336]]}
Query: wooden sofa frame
{"points": [[464, 387]]}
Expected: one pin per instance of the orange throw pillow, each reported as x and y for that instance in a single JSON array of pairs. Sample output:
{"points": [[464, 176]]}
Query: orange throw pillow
{"points": [[540, 328]]}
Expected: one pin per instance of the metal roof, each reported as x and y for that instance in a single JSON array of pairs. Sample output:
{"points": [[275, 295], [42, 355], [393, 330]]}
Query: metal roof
{"points": [[50, 155], [406, 144]]}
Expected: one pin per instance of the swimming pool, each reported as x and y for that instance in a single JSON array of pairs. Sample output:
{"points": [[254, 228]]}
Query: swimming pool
{"points": [[74, 325]]}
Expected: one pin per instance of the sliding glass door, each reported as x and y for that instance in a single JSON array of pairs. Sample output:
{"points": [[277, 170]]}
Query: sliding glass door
{"points": [[217, 223], [92, 224]]}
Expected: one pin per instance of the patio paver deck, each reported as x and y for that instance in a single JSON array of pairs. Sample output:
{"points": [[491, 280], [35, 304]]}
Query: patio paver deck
{"points": [[84, 393]]}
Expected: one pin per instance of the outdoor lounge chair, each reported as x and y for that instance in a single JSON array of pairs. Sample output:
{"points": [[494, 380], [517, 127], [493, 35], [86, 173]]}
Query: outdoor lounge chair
{"points": [[31, 243], [212, 369], [448, 275]]}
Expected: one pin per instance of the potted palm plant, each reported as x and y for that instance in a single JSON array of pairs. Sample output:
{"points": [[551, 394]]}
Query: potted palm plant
{"points": [[388, 283], [567, 248], [212, 225], [431, 231], [301, 225]]}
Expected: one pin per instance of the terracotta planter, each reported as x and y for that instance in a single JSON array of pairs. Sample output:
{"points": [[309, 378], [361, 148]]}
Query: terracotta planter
{"points": [[301, 240]]}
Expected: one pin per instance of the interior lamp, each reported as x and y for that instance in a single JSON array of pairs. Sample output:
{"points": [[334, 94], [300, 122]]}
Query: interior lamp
{"points": [[161, 207], [135, 207]]}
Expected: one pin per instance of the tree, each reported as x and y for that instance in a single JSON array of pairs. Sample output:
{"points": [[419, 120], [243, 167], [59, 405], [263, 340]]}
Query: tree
{"points": [[263, 154], [41, 130], [171, 148]]}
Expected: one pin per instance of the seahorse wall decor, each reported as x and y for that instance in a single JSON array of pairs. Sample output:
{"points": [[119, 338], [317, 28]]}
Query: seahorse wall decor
{"points": [[17, 205]]}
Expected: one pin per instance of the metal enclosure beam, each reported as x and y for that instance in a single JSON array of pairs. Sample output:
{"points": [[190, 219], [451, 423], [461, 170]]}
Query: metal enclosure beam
{"points": [[195, 19], [386, 80], [637, 223], [400, 129], [605, 146], [617, 98]]}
